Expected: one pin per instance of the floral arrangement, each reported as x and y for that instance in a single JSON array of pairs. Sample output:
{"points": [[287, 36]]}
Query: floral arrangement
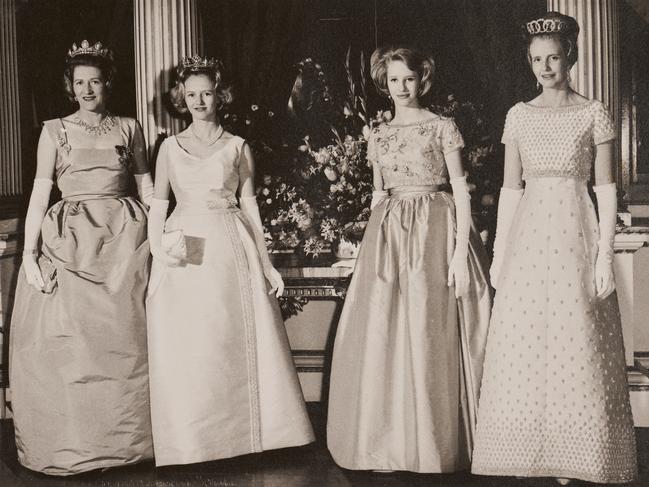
{"points": [[338, 177], [314, 180]]}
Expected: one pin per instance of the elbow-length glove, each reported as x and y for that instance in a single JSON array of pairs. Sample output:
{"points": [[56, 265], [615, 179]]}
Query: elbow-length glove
{"points": [[155, 231], [38, 201], [377, 197], [606, 195], [251, 210], [144, 184], [458, 271], [507, 206]]}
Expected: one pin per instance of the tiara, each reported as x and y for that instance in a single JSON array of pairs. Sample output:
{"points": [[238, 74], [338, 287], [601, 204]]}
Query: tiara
{"points": [[546, 26], [97, 49], [198, 62]]}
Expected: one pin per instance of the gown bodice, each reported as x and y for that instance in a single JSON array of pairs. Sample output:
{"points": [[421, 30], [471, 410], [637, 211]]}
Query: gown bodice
{"points": [[413, 154], [204, 183], [558, 141], [84, 170]]}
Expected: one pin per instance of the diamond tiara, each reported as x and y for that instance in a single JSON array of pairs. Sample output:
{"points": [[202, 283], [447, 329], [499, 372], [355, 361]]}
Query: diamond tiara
{"points": [[198, 62], [97, 49], [546, 26]]}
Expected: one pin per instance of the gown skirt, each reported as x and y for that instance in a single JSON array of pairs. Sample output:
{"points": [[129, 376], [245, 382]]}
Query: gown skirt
{"points": [[554, 399], [78, 354], [407, 358], [223, 381]]}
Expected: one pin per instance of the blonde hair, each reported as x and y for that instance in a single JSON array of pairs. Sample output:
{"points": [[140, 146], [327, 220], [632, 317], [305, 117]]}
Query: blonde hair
{"points": [[214, 73], [416, 61]]}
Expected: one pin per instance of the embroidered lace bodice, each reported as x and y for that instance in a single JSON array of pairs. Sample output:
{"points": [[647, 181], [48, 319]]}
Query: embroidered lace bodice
{"points": [[413, 154], [558, 142]]}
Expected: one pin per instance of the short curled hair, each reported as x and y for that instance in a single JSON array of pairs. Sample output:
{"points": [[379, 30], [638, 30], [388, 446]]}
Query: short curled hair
{"points": [[416, 61], [104, 64], [567, 36], [215, 73]]}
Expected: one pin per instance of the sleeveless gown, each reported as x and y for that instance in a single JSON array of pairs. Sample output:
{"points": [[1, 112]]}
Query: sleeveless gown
{"points": [[223, 381], [78, 358], [554, 398], [407, 357]]}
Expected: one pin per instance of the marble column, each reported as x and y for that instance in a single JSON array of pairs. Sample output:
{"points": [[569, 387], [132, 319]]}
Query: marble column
{"points": [[596, 73], [165, 32], [10, 149]]}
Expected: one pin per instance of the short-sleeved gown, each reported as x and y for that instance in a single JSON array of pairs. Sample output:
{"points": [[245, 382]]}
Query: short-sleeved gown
{"points": [[407, 357], [223, 382], [78, 358], [554, 398]]}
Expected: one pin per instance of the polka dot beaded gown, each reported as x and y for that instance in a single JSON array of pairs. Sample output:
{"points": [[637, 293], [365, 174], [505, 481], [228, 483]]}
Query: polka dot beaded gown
{"points": [[554, 399]]}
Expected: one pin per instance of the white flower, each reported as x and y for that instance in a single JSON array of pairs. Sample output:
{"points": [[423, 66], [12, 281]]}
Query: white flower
{"points": [[273, 222], [254, 108], [330, 174], [269, 201], [270, 114], [387, 115]]}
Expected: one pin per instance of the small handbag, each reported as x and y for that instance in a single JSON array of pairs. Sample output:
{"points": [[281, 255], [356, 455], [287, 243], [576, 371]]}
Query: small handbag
{"points": [[173, 243]]}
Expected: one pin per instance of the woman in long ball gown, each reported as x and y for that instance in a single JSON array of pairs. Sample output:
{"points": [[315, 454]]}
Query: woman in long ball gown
{"points": [[408, 351], [554, 398], [78, 358], [223, 381]]}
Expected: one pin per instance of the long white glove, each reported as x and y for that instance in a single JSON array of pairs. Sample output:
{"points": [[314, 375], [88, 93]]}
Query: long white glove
{"points": [[155, 229], [377, 197], [458, 270], [507, 205], [607, 205], [144, 184], [251, 210], [38, 201]]}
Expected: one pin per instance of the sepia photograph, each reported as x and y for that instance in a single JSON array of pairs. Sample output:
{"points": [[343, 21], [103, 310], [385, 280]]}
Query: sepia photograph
{"points": [[303, 243]]}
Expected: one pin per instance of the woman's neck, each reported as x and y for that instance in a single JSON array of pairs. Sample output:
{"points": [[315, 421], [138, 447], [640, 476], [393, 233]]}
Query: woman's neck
{"points": [[204, 129], [557, 97], [92, 118], [409, 114]]}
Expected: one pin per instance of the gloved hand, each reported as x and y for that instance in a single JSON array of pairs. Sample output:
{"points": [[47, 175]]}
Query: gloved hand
{"points": [[458, 269], [607, 208], [250, 208], [507, 205], [144, 184], [377, 197], [35, 213], [155, 228]]}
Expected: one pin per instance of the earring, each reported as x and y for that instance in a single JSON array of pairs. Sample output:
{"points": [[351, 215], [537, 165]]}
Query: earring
{"points": [[538, 85]]}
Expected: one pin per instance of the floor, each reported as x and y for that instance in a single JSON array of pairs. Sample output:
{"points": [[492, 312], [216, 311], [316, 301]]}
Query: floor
{"points": [[293, 467]]}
